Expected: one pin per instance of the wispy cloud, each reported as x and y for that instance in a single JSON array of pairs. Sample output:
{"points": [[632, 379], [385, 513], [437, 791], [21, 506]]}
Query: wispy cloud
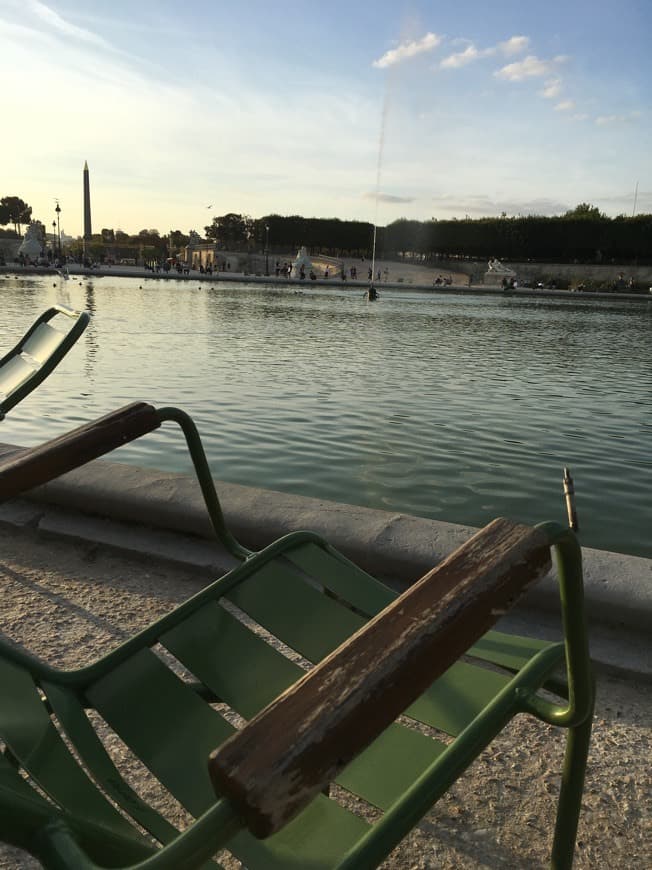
{"points": [[461, 58], [511, 46], [551, 89], [481, 206], [407, 50], [387, 197], [565, 106], [605, 120], [55, 23], [530, 67], [514, 45], [624, 200]]}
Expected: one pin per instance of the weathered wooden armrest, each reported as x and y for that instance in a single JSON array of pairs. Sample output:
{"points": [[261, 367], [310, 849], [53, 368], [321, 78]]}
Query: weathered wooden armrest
{"points": [[38, 465], [284, 756]]}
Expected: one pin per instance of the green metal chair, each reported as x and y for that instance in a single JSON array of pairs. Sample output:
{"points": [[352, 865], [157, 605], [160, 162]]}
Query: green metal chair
{"points": [[262, 792], [38, 353]]}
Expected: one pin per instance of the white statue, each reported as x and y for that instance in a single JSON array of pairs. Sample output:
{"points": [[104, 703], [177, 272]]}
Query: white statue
{"points": [[302, 260], [496, 266], [32, 244]]}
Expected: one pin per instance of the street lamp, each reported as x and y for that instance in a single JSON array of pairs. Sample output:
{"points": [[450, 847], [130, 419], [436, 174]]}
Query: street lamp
{"points": [[267, 250], [58, 211], [54, 239]]}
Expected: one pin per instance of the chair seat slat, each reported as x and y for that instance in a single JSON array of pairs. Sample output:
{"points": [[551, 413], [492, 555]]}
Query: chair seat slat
{"points": [[28, 731], [43, 342], [273, 767], [247, 673]]}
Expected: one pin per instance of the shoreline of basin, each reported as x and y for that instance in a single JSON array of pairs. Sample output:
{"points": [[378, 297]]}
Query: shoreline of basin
{"points": [[153, 513], [137, 272]]}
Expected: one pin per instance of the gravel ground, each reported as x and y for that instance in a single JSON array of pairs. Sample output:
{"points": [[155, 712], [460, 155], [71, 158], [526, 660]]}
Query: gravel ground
{"points": [[499, 815]]}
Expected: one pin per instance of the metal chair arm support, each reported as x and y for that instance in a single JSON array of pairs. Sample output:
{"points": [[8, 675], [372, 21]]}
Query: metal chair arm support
{"points": [[205, 479], [578, 667]]}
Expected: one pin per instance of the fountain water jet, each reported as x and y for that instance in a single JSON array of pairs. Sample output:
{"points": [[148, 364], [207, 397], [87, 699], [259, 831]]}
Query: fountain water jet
{"points": [[381, 146]]}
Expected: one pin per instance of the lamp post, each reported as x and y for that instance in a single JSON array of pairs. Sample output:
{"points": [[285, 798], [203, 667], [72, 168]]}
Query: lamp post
{"points": [[267, 250], [58, 211], [54, 239]]}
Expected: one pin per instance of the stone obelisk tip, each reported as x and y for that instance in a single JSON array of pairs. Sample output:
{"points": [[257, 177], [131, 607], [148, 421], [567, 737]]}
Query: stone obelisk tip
{"points": [[88, 232]]}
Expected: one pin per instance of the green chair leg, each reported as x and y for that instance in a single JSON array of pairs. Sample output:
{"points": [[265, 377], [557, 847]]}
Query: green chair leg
{"points": [[570, 798]]}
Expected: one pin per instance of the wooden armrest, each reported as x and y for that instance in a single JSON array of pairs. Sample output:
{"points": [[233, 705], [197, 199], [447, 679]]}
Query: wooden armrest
{"points": [[284, 756], [38, 465]]}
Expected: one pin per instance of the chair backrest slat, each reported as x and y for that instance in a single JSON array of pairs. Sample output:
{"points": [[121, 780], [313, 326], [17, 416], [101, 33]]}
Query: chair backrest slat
{"points": [[43, 342], [38, 353], [14, 374]]}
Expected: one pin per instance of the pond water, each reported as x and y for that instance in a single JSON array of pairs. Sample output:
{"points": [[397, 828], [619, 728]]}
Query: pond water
{"points": [[453, 407]]}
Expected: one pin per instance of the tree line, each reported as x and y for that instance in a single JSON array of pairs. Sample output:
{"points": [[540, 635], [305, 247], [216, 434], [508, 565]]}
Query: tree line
{"points": [[583, 234]]}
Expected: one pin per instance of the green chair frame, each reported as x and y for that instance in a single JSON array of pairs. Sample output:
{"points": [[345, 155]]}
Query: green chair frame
{"points": [[75, 809], [38, 353]]}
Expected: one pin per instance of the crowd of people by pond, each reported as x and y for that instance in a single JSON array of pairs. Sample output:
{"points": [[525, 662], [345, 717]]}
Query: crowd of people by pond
{"points": [[306, 271]]}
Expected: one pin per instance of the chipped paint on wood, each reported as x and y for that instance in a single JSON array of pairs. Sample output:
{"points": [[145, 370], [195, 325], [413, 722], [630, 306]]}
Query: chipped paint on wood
{"points": [[273, 767]]}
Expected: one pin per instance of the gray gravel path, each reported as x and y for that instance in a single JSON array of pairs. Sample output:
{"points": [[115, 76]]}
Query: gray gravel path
{"points": [[69, 603]]}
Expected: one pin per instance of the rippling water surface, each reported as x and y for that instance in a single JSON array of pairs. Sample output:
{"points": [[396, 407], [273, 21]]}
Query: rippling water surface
{"points": [[455, 407]]}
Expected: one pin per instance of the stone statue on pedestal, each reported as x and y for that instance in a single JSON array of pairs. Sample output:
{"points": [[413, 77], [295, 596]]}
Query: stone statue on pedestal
{"points": [[496, 266], [32, 245], [303, 264], [498, 273]]}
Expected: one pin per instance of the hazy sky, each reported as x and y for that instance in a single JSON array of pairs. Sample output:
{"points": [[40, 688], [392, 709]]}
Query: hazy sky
{"points": [[257, 107]]}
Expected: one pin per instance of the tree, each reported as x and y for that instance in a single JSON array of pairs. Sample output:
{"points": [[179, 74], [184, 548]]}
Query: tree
{"points": [[14, 210], [178, 240], [584, 211], [231, 230], [149, 237], [108, 236]]}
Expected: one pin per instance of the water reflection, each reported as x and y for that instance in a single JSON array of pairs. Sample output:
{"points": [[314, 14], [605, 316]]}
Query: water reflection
{"points": [[455, 407]]}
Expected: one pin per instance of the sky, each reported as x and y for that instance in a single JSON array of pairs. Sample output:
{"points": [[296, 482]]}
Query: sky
{"points": [[359, 110]]}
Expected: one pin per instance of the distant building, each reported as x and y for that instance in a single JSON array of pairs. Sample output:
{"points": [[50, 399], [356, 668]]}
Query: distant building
{"points": [[207, 254]]}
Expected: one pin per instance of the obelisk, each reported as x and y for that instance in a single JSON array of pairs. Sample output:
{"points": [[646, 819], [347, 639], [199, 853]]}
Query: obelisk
{"points": [[88, 232]]}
